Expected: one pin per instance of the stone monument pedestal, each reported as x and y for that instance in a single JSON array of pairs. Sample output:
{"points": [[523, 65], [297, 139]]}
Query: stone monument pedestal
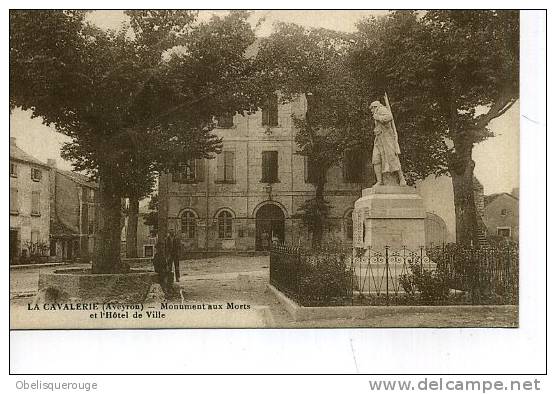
{"points": [[392, 216]]}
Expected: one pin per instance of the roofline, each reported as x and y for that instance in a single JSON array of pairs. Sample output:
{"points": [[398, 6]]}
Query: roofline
{"points": [[499, 195], [91, 184], [36, 163]]}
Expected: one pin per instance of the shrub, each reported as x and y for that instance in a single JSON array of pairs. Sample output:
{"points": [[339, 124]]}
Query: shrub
{"points": [[432, 285], [311, 277]]}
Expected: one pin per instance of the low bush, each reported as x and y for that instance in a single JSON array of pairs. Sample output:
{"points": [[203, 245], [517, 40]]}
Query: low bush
{"points": [[312, 278], [432, 286]]}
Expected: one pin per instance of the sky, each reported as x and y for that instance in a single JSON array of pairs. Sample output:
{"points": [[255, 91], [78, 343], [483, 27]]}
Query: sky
{"points": [[497, 159]]}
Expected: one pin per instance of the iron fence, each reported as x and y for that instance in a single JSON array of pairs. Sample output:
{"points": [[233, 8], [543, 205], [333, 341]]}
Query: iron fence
{"points": [[438, 276]]}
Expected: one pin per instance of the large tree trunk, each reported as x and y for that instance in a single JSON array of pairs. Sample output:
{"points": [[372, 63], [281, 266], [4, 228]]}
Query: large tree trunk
{"points": [[107, 249], [461, 170], [131, 235]]}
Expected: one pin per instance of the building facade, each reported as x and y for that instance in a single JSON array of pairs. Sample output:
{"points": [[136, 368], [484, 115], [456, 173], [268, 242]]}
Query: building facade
{"points": [[29, 205], [248, 195], [74, 210], [502, 215]]}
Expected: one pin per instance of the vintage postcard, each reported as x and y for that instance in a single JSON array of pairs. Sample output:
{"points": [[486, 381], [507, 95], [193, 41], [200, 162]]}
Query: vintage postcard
{"points": [[264, 169]]}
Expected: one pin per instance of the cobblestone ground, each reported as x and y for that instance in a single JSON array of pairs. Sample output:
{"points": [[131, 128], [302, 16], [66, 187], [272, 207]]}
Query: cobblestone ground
{"points": [[242, 280]]}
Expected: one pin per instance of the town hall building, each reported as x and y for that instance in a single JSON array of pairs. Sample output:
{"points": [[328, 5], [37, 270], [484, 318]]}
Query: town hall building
{"points": [[248, 195]]}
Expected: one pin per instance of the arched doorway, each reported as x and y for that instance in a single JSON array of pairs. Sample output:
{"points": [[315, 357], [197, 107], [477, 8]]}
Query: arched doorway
{"points": [[269, 226]]}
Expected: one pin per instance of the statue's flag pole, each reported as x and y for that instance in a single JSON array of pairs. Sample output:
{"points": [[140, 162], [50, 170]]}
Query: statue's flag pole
{"points": [[387, 103]]}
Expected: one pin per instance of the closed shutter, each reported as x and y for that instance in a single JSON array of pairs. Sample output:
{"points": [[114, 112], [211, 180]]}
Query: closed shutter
{"points": [[220, 167], [345, 171], [200, 170], [274, 166], [14, 200], [35, 203], [270, 111], [273, 111], [265, 167], [270, 166], [306, 169], [229, 166]]}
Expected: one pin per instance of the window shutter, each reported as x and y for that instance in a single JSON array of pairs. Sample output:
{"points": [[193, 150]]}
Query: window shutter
{"points": [[35, 202], [306, 164], [229, 164], [345, 169], [273, 166], [14, 203], [265, 113], [265, 167], [200, 170], [220, 167], [270, 111], [273, 113]]}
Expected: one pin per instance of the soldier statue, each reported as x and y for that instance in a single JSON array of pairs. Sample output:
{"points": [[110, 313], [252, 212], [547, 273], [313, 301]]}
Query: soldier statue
{"points": [[386, 150]]}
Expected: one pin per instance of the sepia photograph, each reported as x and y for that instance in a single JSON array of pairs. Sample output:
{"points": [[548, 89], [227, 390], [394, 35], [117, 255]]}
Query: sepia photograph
{"points": [[264, 169]]}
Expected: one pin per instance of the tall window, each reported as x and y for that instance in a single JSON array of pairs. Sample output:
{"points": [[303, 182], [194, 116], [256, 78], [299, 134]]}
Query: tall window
{"points": [[14, 200], [188, 223], [349, 225], [35, 236], [225, 225], [35, 203], [91, 219], [191, 172], [270, 111], [270, 167], [36, 174], [226, 121], [13, 170], [353, 166], [225, 167]]}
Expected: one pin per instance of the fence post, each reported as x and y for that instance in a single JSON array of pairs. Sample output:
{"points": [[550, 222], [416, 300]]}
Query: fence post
{"points": [[387, 275], [421, 258]]}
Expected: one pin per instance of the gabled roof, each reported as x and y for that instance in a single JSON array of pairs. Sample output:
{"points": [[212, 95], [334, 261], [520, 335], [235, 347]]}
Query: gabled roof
{"points": [[19, 154], [491, 197], [79, 178]]}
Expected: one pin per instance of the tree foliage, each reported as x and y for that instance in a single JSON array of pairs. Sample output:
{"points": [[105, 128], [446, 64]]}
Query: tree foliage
{"points": [[310, 63], [448, 74], [136, 101]]}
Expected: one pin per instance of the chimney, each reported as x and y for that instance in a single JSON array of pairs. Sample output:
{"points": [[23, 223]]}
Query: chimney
{"points": [[51, 163], [12, 140]]}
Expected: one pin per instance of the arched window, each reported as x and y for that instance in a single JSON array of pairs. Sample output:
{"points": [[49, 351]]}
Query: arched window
{"points": [[188, 224], [348, 220], [224, 225]]}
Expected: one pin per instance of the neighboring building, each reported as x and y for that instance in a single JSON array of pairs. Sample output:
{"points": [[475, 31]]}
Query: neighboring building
{"points": [[502, 215], [29, 204], [146, 236], [74, 215], [249, 193]]}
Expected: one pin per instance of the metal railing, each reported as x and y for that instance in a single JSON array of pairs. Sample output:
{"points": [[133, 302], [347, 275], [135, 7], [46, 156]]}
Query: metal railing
{"points": [[439, 276]]}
